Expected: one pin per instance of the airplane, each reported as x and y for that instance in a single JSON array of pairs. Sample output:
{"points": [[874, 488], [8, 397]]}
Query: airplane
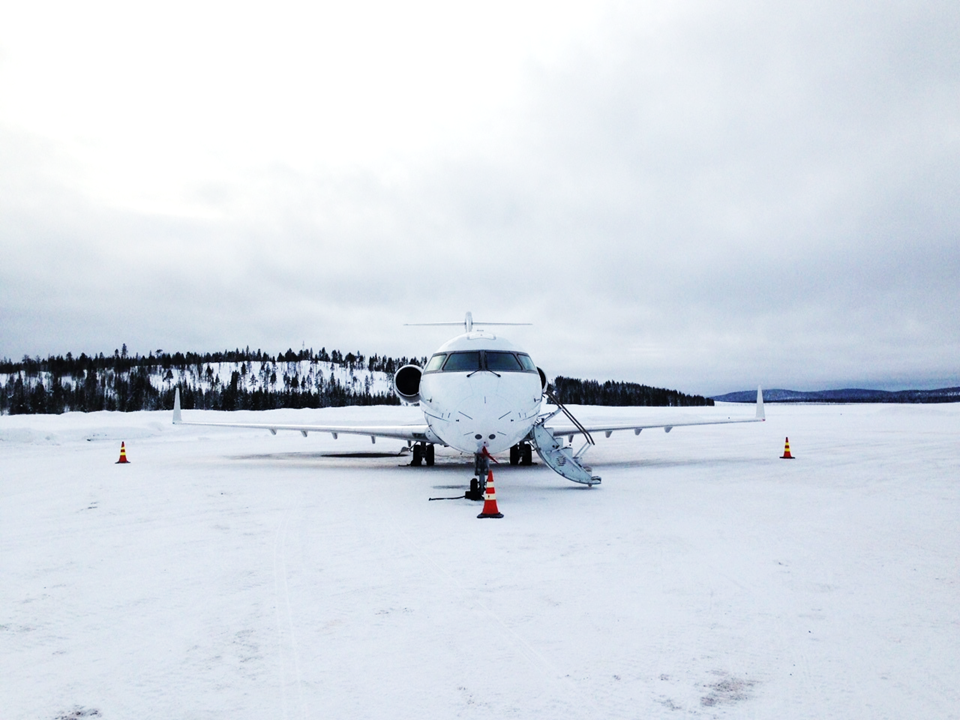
{"points": [[482, 395]]}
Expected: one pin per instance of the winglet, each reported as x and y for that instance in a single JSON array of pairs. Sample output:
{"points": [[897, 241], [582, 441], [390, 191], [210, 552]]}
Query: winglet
{"points": [[176, 407], [760, 413]]}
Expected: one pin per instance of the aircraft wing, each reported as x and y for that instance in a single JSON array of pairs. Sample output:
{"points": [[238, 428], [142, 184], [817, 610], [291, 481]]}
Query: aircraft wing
{"points": [[413, 433], [574, 429]]}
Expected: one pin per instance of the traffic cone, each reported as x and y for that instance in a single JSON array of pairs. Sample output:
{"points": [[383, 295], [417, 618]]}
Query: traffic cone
{"points": [[123, 455], [490, 500], [786, 451]]}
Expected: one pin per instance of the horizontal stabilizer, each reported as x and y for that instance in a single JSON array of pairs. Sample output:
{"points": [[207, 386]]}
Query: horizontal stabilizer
{"points": [[468, 323]]}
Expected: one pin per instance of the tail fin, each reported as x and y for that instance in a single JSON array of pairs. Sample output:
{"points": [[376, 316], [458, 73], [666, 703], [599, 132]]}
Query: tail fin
{"points": [[176, 407], [760, 413]]}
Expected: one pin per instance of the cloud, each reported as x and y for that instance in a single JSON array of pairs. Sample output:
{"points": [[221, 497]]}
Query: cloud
{"points": [[703, 196]]}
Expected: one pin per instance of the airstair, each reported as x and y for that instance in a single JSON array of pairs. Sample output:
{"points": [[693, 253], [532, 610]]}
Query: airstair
{"points": [[561, 458]]}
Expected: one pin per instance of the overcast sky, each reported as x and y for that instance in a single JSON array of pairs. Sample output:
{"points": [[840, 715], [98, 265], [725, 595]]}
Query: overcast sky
{"points": [[698, 195]]}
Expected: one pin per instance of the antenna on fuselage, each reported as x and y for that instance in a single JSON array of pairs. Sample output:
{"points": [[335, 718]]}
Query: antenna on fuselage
{"points": [[468, 323]]}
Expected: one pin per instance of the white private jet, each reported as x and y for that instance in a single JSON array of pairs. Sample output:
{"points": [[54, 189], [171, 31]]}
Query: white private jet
{"points": [[481, 394]]}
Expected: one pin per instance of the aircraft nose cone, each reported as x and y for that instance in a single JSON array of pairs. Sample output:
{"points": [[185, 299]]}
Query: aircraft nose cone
{"points": [[496, 427]]}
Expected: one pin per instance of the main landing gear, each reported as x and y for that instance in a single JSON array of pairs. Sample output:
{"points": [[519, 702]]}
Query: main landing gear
{"points": [[423, 453], [521, 454]]}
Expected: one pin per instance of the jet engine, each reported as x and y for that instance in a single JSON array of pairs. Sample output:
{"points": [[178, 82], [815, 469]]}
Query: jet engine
{"points": [[406, 384]]}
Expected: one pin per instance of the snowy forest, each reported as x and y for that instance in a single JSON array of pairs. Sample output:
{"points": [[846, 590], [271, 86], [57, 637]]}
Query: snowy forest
{"points": [[247, 380], [571, 391]]}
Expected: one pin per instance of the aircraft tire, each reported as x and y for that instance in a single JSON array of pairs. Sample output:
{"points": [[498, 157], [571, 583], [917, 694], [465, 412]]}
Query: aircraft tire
{"points": [[526, 454], [428, 454], [417, 460], [515, 455]]}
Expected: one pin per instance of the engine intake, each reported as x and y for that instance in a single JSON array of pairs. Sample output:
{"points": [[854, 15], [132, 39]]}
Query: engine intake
{"points": [[406, 384]]}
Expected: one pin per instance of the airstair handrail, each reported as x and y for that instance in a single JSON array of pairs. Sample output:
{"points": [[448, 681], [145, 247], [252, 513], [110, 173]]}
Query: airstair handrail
{"points": [[570, 417]]}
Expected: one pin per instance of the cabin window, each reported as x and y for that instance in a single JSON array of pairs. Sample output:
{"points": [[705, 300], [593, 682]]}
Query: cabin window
{"points": [[436, 362], [462, 362]]}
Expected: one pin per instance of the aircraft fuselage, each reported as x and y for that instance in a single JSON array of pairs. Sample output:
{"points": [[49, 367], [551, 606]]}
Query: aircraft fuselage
{"points": [[480, 391]]}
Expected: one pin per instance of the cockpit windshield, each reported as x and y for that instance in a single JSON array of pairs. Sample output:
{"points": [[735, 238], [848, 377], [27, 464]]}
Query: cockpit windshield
{"points": [[502, 362], [473, 361], [462, 362]]}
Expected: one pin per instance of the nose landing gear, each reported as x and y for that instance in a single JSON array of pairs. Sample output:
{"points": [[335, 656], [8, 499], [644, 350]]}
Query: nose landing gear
{"points": [[478, 485], [476, 491]]}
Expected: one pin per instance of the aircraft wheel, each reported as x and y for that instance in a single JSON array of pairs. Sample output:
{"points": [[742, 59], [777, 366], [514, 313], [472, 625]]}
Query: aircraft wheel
{"points": [[515, 455], [428, 454], [526, 454], [417, 455]]}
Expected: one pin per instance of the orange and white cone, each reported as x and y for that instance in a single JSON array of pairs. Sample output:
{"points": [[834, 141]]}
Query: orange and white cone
{"points": [[786, 451], [490, 500], [123, 455]]}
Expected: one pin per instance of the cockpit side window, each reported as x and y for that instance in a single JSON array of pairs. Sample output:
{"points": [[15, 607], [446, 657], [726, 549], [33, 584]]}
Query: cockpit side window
{"points": [[527, 363], [502, 362], [436, 362], [462, 362]]}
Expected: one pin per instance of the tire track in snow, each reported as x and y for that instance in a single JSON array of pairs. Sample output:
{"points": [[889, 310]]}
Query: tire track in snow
{"points": [[706, 662], [521, 645], [280, 583]]}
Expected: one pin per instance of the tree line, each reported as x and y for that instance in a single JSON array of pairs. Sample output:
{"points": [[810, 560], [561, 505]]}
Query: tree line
{"points": [[257, 381], [122, 361], [135, 391], [571, 391], [126, 383]]}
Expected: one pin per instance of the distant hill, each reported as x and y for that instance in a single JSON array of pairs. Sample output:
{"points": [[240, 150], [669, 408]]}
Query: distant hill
{"points": [[849, 395], [228, 380]]}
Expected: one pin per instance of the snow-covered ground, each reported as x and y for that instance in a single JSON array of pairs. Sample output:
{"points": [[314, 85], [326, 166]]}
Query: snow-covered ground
{"points": [[234, 574]]}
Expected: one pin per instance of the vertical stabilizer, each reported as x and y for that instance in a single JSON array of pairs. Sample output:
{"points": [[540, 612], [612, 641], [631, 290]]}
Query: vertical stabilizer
{"points": [[760, 413], [176, 407]]}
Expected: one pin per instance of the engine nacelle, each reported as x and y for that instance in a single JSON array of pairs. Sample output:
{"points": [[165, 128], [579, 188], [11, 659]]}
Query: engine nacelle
{"points": [[406, 384]]}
